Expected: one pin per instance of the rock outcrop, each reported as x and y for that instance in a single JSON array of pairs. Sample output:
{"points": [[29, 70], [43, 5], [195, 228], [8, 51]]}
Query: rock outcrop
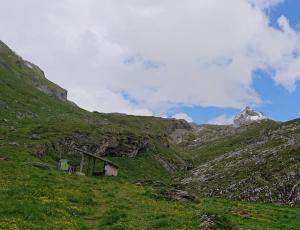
{"points": [[117, 146], [179, 195], [178, 131], [59, 93]]}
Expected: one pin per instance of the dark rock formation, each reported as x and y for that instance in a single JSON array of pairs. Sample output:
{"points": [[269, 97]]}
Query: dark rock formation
{"points": [[179, 195]]}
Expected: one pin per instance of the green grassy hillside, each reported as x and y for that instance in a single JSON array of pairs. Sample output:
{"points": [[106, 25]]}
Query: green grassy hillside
{"points": [[47, 127], [256, 163], [38, 127]]}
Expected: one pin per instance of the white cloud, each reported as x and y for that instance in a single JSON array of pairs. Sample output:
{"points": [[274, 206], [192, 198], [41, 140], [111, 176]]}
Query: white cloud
{"points": [[161, 54], [183, 116], [107, 101], [222, 120], [265, 3]]}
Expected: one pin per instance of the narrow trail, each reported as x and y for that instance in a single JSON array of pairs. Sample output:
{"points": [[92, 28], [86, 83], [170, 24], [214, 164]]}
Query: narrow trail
{"points": [[92, 221]]}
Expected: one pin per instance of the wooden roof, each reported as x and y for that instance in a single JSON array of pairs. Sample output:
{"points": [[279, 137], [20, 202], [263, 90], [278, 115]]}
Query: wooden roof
{"points": [[97, 157]]}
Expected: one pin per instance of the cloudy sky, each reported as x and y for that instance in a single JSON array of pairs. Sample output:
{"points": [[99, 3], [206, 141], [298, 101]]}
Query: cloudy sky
{"points": [[201, 60]]}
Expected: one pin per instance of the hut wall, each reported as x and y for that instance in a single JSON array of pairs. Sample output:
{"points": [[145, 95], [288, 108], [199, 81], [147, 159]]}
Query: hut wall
{"points": [[110, 170]]}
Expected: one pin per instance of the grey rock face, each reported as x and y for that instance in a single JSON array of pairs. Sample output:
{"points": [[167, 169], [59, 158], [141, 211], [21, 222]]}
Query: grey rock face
{"points": [[41, 83], [179, 195], [178, 131], [118, 146], [59, 93]]}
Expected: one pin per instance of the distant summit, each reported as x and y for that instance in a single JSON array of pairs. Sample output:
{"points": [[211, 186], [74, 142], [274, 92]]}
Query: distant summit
{"points": [[248, 116]]}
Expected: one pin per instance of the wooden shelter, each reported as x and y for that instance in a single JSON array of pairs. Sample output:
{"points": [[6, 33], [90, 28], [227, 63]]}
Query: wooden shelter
{"points": [[110, 168]]}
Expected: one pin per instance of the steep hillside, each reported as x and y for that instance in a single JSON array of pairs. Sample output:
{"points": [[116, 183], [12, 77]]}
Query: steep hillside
{"points": [[49, 127], [38, 126]]}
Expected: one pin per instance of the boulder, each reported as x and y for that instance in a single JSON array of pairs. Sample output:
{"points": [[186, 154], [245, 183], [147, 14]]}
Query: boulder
{"points": [[179, 195]]}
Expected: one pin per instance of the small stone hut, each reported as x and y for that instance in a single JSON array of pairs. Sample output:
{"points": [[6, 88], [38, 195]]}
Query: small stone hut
{"points": [[110, 168]]}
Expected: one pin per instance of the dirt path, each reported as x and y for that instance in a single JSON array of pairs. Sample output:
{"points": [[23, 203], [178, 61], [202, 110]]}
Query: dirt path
{"points": [[92, 222]]}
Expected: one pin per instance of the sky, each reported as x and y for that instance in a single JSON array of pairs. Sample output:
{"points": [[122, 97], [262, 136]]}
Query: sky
{"points": [[202, 61]]}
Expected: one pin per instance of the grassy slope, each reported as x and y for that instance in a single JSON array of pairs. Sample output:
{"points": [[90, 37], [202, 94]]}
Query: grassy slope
{"points": [[209, 150], [32, 198], [259, 163], [27, 111]]}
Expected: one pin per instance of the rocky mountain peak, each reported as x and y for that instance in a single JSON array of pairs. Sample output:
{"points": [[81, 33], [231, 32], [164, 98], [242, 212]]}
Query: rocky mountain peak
{"points": [[248, 116]]}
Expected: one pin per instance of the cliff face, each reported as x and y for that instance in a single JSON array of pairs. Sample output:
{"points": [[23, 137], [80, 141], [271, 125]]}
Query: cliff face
{"points": [[31, 73]]}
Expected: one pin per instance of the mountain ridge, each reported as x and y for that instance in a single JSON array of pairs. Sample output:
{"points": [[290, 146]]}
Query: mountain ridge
{"points": [[31, 73]]}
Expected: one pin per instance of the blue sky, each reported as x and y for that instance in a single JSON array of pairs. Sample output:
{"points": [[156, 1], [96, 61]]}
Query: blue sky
{"points": [[279, 104]]}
